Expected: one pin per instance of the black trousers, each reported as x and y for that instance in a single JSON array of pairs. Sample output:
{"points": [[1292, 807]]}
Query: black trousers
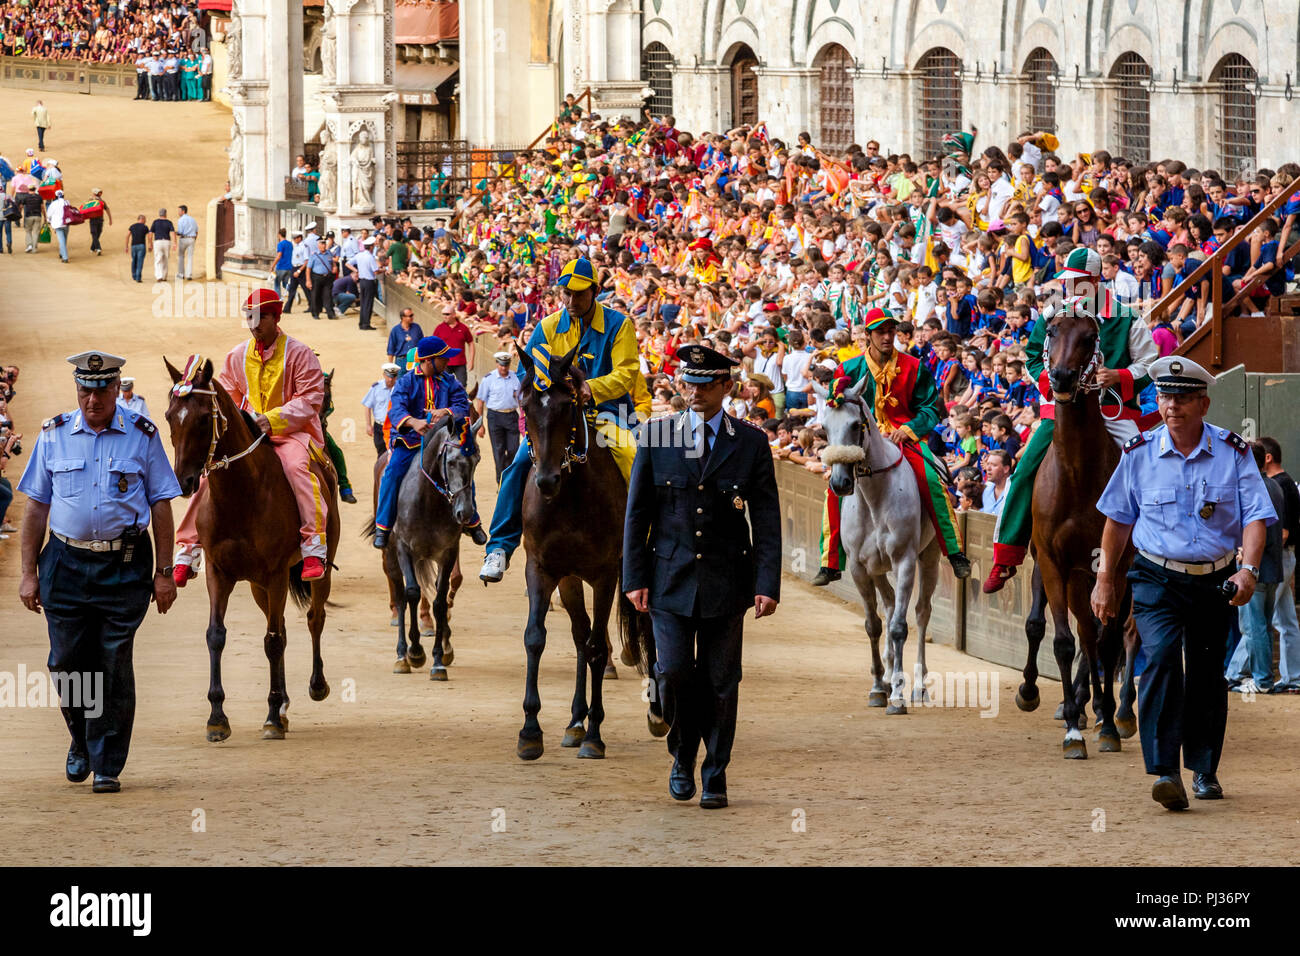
{"points": [[503, 433], [297, 283], [322, 295], [366, 289], [1181, 711], [206, 81], [698, 672], [142, 86], [40, 137], [461, 372], [94, 602], [96, 230], [378, 436]]}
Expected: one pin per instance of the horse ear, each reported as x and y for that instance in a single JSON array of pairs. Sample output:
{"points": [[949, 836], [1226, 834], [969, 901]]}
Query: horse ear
{"points": [[857, 390], [172, 370], [526, 364], [561, 369], [820, 390], [206, 375]]}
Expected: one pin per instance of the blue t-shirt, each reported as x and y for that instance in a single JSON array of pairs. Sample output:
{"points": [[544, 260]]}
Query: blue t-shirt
{"points": [[284, 255], [1276, 281]]}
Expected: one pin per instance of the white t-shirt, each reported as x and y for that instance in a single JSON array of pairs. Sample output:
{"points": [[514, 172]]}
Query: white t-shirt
{"points": [[1033, 155], [999, 193], [793, 370]]}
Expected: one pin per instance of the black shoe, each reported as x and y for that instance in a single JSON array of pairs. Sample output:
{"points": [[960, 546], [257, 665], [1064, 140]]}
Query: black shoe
{"points": [[477, 535], [381, 538], [960, 564], [347, 495], [1205, 786], [713, 801], [78, 768], [105, 784], [1169, 793], [366, 328], [681, 781], [824, 577]]}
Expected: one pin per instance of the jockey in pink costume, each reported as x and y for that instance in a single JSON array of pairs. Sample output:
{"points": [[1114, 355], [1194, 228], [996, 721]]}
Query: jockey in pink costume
{"points": [[279, 381]]}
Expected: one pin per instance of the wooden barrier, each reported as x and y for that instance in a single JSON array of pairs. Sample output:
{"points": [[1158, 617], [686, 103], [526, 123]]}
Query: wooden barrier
{"points": [[68, 76]]}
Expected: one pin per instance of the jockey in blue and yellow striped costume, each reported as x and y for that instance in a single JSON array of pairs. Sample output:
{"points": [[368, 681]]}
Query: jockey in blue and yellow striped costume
{"points": [[607, 357]]}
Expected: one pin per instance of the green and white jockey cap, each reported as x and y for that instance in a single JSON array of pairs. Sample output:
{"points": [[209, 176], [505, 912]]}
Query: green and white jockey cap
{"points": [[1081, 263]]}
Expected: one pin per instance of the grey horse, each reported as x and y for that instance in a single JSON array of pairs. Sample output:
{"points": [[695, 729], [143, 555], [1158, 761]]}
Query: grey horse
{"points": [[883, 527], [434, 502]]}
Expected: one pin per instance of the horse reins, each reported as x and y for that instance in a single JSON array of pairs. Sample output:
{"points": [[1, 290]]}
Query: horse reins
{"points": [[863, 469], [1088, 377], [219, 426], [571, 457]]}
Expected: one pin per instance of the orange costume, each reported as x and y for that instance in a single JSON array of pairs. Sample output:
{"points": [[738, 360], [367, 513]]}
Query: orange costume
{"points": [[285, 383]]}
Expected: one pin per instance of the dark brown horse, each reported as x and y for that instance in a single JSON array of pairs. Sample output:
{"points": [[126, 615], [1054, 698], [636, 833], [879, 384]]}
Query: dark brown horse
{"points": [[249, 528], [573, 532], [1067, 534]]}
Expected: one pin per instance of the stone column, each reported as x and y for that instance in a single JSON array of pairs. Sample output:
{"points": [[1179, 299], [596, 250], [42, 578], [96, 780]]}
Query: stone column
{"points": [[613, 57]]}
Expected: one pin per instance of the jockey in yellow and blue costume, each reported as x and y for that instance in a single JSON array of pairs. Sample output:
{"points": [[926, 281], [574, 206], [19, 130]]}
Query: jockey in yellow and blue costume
{"points": [[421, 398], [608, 359]]}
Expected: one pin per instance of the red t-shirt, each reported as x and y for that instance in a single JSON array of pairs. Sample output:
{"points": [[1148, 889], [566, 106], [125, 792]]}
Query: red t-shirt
{"points": [[457, 337]]}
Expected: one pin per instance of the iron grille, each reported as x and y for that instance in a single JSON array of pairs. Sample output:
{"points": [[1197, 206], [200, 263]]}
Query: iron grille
{"points": [[1131, 78], [836, 99], [940, 98], [1040, 72], [657, 73], [1235, 116], [441, 169]]}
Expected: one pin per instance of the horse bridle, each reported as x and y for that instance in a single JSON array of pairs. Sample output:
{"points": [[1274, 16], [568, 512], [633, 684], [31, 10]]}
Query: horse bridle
{"points": [[571, 457], [863, 469], [1087, 381], [440, 467], [219, 426]]}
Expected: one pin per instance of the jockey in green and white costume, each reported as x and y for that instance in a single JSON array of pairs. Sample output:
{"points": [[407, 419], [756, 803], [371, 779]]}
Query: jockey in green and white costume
{"points": [[1127, 350]]}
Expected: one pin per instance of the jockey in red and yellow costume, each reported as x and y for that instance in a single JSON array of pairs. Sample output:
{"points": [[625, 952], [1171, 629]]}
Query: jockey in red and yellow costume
{"points": [[905, 403], [279, 381]]}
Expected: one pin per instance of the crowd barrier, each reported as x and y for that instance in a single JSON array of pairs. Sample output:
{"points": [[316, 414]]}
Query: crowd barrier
{"points": [[68, 76]]}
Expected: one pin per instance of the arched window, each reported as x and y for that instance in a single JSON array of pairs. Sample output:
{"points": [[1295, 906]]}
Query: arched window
{"points": [[1234, 119], [940, 98], [836, 94], [1040, 74], [1131, 77], [657, 73], [744, 87]]}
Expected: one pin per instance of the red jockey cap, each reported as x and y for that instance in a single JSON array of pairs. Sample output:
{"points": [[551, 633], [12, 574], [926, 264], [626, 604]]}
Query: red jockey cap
{"points": [[262, 300]]}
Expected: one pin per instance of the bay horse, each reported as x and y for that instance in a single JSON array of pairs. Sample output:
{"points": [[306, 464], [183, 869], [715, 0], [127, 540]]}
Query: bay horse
{"points": [[1066, 537], [433, 502], [573, 532], [884, 527], [248, 526]]}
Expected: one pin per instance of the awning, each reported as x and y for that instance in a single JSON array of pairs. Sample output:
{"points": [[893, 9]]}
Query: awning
{"points": [[425, 21]]}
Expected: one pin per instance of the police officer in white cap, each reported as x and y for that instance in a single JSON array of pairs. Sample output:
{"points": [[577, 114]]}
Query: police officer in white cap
{"points": [[97, 475], [497, 404], [376, 404], [129, 400], [1189, 494]]}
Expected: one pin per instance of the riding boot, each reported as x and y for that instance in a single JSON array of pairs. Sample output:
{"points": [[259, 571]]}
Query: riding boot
{"points": [[960, 564], [825, 576]]}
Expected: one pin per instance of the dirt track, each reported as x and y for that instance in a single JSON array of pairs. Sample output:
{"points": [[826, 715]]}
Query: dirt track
{"points": [[415, 772]]}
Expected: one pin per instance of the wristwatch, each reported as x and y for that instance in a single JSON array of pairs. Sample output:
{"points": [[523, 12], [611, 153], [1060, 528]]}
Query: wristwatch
{"points": [[1254, 571], [164, 572]]}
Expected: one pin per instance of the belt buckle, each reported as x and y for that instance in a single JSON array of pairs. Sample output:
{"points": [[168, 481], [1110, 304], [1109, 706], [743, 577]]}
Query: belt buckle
{"points": [[100, 545]]}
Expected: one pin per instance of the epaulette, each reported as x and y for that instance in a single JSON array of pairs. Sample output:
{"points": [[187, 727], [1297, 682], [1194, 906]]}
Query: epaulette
{"points": [[1139, 439], [1236, 441], [145, 425], [54, 422], [373, 384]]}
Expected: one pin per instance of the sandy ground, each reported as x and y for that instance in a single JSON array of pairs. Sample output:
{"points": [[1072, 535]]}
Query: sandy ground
{"points": [[398, 769]]}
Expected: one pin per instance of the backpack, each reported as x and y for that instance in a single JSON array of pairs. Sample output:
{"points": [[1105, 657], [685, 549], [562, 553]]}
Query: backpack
{"points": [[9, 211], [72, 216]]}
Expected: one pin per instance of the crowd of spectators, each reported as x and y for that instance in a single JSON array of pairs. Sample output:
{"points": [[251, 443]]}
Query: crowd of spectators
{"points": [[10, 446], [117, 31]]}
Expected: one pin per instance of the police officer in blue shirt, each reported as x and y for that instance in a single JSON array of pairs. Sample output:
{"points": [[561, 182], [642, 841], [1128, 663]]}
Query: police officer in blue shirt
{"points": [[97, 475], [1189, 494]]}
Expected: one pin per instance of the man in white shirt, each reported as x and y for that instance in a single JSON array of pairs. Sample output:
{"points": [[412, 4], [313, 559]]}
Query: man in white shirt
{"points": [[364, 269], [1123, 284], [997, 469], [497, 403], [187, 232], [376, 405], [299, 168], [128, 399], [56, 213], [205, 75]]}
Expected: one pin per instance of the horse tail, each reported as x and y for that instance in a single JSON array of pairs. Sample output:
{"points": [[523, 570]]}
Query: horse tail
{"points": [[299, 589], [637, 635], [369, 530]]}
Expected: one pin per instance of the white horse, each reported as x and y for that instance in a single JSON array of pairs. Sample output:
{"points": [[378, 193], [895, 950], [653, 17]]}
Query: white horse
{"points": [[883, 527]]}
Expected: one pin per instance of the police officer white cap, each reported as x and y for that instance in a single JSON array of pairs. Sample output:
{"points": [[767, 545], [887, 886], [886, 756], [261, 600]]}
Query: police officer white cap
{"points": [[502, 358], [1176, 374], [391, 368], [127, 381], [96, 369]]}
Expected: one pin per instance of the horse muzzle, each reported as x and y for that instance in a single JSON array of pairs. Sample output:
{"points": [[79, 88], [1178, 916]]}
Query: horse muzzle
{"points": [[548, 484], [841, 479]]}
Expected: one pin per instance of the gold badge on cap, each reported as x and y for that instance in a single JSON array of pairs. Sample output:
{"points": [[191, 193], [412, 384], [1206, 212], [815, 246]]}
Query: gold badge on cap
{"points": [[1176, 368]]}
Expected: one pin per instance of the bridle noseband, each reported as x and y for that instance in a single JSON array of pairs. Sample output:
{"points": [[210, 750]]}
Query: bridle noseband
{"points": [[863, 469], [571, 456], [219, 427], [440, 469], [1087, 381]]}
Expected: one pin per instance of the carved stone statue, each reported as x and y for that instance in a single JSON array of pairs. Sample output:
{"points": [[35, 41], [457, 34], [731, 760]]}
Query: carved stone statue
{"points": [[329, 47], [362, 166], [236, 169], [329, 166], [235, 44]]}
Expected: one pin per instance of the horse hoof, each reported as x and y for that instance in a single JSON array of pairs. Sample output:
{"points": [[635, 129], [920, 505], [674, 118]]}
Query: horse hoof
{"points": [[1027, 704], [1075, 749], [1107, 740], [627, 657], [1083, 721], [896, 708], [319, 693], [1127, 727], [416, 657], [573, 736], [402, 666], [426, 630], [611, 672], [529, 749], [218, 732], [395, 621], [1060, 712], [592, 750], [448, 655], [272, 732], [920, 696], [658, 726], [877, 698], [437, 673]]}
